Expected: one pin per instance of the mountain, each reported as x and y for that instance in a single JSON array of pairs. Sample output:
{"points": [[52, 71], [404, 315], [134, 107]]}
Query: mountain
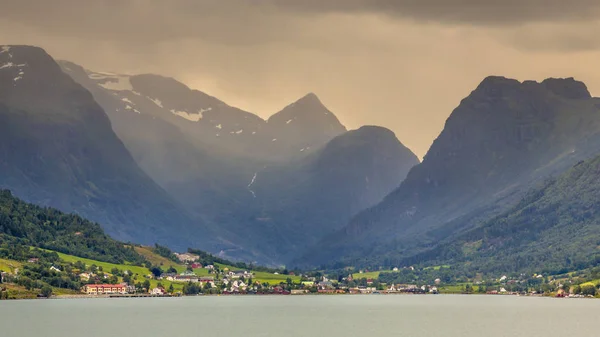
{"points": [[303, 125], [205, 121], [304, 200], [57, 149], [261, 181], [502, 139], [553, 229]]}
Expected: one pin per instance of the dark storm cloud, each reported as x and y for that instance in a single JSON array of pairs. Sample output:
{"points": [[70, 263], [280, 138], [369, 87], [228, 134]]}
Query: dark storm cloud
{"points": [[496, 12]]}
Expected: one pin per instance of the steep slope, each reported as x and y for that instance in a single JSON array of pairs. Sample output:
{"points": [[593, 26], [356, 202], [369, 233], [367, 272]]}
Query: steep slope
{"points": [[273, 187], [31, 225], [57, 149], [501, 139], [554, 228], [199, 175], [312, 197]]}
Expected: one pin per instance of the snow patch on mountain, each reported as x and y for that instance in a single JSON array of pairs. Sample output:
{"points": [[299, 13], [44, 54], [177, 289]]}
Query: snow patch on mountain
{"points": [[156, 101], [126, 100], [187, 115], [12, 65], [219, 126], [4, 49]]}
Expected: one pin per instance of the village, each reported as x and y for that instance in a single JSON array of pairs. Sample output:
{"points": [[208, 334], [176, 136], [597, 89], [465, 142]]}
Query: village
{"points": [[184, 274]]}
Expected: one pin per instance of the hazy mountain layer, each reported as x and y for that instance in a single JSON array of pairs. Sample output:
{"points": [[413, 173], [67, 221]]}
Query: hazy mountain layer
{"points": [[57, 148]]}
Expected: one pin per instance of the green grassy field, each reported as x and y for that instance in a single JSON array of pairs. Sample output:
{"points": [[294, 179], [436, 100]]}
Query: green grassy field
{"points": [[591, 283], [274, 279], [9, 265], [372, 275], [140, 273], [437, 267]]}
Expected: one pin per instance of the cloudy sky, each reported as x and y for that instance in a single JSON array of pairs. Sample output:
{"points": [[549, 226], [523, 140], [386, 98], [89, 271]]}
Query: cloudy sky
{"points": [[403, 64]]}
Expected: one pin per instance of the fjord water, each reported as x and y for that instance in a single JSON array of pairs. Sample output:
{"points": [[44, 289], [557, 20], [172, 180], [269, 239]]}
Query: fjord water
{"points": [[332, 316]]}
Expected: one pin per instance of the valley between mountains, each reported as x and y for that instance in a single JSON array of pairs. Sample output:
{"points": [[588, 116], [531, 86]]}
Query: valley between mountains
{"points": [[509, 184]]}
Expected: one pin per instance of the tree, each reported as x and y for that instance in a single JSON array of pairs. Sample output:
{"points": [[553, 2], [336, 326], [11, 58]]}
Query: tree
{"points": [[588, 290], [171, 289], [172, 270], [156, 271], [146, 285], [46, 291]]}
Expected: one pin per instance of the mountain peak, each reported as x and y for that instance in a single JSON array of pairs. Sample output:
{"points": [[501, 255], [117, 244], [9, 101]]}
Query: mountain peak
{"points": [[309, 98], [309, 111], [567, 87], [495, 84]]}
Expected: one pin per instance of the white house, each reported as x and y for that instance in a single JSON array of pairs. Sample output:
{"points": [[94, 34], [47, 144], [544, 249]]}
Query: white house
{"points": [[53, 268], [158, 291]]}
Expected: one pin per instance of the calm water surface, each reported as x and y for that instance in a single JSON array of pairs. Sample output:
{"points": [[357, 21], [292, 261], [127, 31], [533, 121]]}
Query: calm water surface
{"points": [[290, 316]]}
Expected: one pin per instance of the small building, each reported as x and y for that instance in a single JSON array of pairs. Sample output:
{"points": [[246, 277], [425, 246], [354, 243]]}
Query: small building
{"points": [[100, 289], [186, 278], [158, 291], [53, 268], [33, 260], [206, 279], [85, 276], [196, 265]]}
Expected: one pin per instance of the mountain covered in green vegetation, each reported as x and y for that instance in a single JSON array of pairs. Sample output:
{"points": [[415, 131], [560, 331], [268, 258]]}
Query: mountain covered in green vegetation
{"points": [[555, 228], [29, 225]]}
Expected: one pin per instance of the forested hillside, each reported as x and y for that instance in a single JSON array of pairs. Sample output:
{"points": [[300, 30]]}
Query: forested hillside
{"points": [[25, 224], [554, 229]]}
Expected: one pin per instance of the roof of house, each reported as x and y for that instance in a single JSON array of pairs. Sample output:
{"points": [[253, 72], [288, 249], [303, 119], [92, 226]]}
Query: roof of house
{"points": [[106, 285]]}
